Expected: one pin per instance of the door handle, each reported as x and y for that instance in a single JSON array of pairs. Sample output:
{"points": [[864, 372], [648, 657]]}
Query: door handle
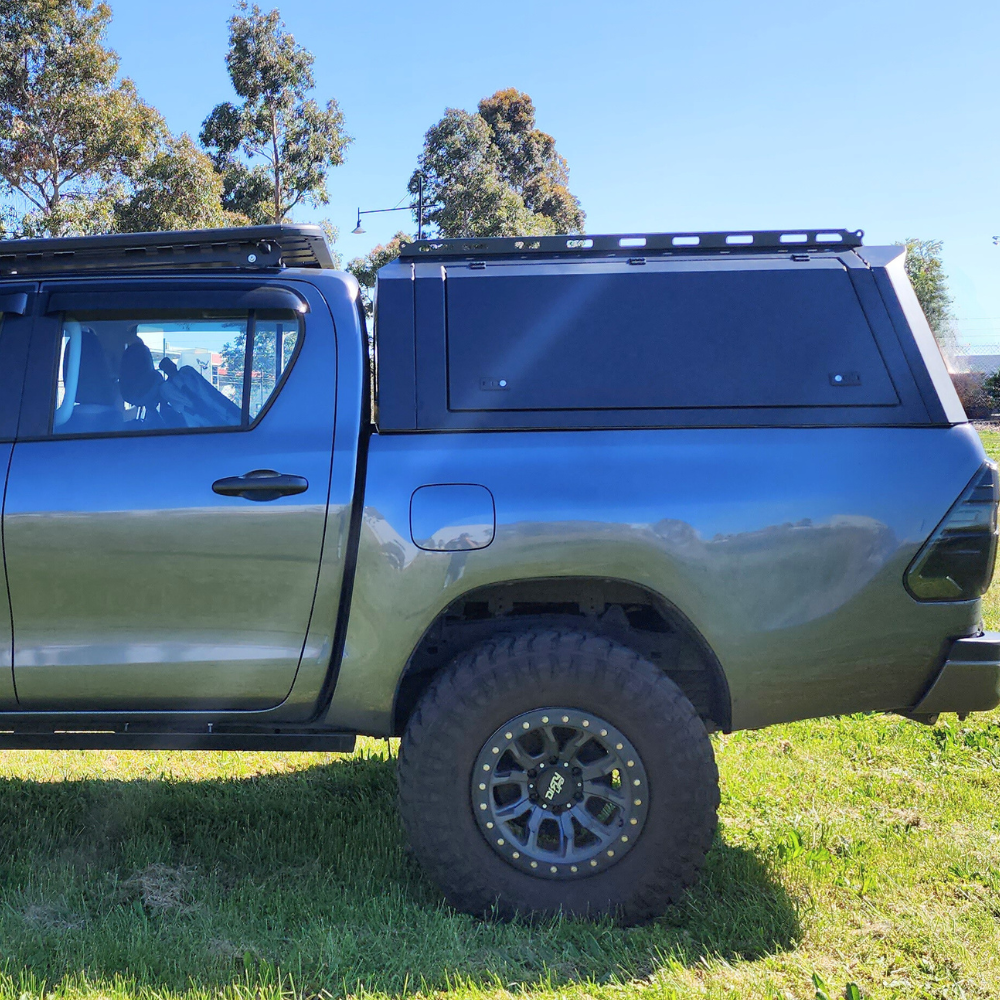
{"points": [[261, 485]]}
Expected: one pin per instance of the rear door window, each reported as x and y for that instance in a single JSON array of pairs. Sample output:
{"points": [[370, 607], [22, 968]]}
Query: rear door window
{"points": [[134, 371]]}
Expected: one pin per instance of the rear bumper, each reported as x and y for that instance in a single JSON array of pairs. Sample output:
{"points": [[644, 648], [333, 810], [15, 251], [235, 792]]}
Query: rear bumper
{"points": [[969, 681]]}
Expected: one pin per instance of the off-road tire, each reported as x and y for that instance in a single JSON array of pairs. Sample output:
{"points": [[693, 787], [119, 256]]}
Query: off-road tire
{"points": [[495, 682]]}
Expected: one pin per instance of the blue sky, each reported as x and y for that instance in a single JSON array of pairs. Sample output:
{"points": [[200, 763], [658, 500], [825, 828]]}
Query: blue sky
{"points": [[722, 114]]}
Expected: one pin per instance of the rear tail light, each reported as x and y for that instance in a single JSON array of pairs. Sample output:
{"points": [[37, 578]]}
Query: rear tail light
{"points": [[956, 563]]}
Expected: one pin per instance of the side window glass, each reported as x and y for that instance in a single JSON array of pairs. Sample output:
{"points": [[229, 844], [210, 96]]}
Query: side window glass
{"points": [[275, 335], [138, 372]]}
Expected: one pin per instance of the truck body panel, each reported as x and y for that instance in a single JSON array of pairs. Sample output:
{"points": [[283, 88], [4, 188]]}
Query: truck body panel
{"points": [[785, 548]]}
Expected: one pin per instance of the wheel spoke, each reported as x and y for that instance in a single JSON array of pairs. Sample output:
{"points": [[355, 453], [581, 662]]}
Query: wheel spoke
{"points": [[598, 768], [566, 834], [518, 778], [600, 790], [550, 743], [522, 758], [573, 746], [533, 825], [590, 823], [512, 809]]}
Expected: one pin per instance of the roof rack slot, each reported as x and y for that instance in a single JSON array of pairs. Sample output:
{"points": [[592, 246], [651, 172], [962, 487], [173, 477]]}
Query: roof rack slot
{"points": [[525, 247]]}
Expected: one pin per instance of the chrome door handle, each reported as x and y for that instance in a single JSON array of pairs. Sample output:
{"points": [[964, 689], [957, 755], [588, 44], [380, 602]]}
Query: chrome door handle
{"points": [[261, 485]]}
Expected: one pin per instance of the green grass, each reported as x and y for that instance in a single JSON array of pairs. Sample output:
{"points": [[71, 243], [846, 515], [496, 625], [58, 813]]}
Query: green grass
{"points": [[860, 850]]}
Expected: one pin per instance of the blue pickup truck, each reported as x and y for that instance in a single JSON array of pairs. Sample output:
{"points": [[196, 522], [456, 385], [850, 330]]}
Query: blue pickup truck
{"points": [[578, 503]]}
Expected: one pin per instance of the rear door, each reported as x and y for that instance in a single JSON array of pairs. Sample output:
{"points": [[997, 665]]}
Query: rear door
{"points": [[16, 302], [167, 494]]}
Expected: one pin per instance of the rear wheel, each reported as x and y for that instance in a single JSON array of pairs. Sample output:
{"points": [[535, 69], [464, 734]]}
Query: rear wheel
{"points": [[558, 772]]}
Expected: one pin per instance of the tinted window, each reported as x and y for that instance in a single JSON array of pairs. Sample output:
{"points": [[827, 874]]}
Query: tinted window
{"points": [[275, 337], [659, 335], [134, 371]]}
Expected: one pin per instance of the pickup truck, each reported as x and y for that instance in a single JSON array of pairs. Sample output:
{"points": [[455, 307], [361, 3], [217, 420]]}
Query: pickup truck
{"points": [[611, 494]]}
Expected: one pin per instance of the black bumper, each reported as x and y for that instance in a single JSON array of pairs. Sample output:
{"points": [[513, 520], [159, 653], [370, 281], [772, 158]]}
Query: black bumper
{"points": [[969, 681]]}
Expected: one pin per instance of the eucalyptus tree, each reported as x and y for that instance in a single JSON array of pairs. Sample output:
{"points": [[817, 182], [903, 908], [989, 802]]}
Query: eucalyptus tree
{"points": [[72, 134], [925, 269], [276, 146], [178, 189], [494, 173]]}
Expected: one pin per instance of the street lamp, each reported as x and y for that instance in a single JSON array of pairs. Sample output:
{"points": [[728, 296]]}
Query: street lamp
{"points": [[357, 230]]}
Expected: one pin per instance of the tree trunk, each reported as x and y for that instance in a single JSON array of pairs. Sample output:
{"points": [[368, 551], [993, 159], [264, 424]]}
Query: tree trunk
{"points": [[277, 169]]}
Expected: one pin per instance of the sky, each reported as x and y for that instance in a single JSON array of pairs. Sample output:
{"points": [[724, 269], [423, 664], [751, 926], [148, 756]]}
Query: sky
{"points": [[673, 115]]}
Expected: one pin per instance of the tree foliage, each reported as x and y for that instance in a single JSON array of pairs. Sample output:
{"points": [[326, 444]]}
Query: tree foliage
{"points": [[528, 160], [366, 268], [493, 173], [275, 149], [926, 273], [71, 133], [178, 189]]}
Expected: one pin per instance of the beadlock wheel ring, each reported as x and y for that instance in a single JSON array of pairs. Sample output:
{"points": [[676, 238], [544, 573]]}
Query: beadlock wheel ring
{"points": [[559, 793]]}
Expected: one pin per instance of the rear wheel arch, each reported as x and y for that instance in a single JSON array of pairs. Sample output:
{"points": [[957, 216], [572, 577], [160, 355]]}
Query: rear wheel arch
{"points": [[621, 610]]}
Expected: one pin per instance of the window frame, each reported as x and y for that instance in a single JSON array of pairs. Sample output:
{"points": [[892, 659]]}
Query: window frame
{"points": [[41, 378], [15, 342]]}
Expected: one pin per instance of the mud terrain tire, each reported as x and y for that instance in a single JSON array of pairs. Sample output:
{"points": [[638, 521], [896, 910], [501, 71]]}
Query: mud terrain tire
{"points": [[494, 686]]}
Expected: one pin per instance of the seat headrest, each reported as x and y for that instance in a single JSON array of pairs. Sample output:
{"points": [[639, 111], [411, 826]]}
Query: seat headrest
{"points": [[138, 379], [95, 384]]}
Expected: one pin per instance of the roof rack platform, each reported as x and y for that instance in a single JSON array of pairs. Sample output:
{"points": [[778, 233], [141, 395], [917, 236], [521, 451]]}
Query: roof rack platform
{"points": [[736, 241], [245, 248]]}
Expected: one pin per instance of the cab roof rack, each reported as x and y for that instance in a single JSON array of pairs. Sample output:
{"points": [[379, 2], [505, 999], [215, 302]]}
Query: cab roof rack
{"points": [[741, 240], [245, 248]]}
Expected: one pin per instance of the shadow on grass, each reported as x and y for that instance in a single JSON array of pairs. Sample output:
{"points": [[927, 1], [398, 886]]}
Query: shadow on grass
{"points": [[223, 884]]}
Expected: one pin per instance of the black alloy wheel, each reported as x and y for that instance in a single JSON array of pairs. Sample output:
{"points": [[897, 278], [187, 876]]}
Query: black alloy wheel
{"points": [[560, 793]]}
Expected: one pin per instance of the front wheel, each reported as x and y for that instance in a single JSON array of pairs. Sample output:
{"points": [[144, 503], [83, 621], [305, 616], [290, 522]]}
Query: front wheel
{"points": [[558, 772]]}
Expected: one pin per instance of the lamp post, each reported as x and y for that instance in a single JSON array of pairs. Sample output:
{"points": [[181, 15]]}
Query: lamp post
{"points": [[357, 231]]}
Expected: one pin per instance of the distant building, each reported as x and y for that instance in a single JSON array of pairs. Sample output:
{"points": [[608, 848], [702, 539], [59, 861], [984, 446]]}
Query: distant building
{"points": [[985, 363]]}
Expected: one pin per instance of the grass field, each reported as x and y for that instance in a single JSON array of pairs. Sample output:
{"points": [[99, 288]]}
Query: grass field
{"points": [[861, 850]]}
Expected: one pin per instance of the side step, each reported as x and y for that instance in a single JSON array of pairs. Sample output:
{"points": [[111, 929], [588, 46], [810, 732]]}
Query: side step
{"points": [[136, 739]]}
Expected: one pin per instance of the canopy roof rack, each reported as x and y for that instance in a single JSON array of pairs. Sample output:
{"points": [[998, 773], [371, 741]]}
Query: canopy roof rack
{"points": [[741, 240], [246, 248]]}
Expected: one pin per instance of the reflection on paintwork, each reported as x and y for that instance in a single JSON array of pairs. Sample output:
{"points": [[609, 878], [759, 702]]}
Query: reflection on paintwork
{"points": [[785, 548]]}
